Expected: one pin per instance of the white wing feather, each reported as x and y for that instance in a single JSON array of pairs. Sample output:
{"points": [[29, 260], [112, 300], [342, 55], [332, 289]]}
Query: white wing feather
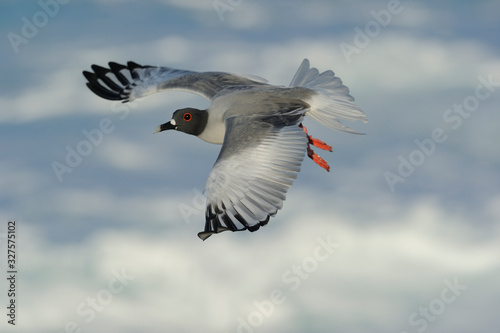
{"points": [[247, 186]]}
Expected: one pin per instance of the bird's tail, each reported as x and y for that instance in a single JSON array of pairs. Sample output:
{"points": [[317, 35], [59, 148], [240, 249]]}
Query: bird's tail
{"points": [[331, 100]]}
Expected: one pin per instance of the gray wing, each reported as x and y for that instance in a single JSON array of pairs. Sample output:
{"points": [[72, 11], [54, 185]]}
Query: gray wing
{"points": [[120, 82], [260, 158]]}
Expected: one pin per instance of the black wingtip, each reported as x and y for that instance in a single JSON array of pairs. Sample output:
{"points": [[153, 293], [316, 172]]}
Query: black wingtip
{"points": [[103, 86], [204, 235], [116, 68], [101, 92], [216, 219], [132, 65], [88, 75], [99, 70]]}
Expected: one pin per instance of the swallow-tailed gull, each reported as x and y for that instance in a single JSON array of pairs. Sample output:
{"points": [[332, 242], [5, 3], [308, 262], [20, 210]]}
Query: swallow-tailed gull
{"points": [[258, 124]]}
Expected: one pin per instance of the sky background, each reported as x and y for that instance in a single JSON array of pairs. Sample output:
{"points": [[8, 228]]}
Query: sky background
{"points": [[411, 210]]}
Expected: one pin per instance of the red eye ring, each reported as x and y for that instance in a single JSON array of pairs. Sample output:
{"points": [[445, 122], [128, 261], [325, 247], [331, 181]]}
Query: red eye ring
{"points": [[187, 116]]}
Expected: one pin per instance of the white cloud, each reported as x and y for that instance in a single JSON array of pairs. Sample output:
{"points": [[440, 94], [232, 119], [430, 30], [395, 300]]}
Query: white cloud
{"points": [[193, 5], [396, 248], [52, 96], [184, 283], [102, 205], [21, 180], [249, 16], [127, 155], [398, 63], [392, 62]]}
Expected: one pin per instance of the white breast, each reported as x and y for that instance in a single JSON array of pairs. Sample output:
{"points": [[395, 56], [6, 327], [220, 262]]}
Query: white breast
{"points": [[215, 129]]}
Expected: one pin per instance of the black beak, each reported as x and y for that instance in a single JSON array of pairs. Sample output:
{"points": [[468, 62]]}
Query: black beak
{"points": [[164, 127]]}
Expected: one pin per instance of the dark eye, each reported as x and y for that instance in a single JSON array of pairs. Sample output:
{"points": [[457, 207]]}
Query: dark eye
{"points": [[187, 116]]}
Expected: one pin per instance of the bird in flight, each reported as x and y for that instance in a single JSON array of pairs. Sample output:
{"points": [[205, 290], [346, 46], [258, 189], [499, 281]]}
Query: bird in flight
{"points": [[258, 124]]}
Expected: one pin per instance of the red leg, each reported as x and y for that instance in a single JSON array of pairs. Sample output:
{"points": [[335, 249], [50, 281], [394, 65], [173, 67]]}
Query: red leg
{"points": [[317, 143]]}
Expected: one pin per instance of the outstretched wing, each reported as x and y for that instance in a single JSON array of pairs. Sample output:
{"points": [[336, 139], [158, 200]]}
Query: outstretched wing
{"points": [[120, 82], [260, 158]]}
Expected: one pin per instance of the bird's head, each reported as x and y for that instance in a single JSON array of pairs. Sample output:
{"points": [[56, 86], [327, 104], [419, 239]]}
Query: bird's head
{"points": [[189, 120]]}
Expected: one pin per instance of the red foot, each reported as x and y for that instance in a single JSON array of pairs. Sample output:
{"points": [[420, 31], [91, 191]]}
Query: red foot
{"points": [[320, 144], [317, 159], [317, 143]]}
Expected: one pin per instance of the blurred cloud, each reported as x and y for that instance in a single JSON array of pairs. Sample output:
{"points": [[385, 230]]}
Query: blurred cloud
{"points": [[427, 64], [359, 274], [124, 206]]}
